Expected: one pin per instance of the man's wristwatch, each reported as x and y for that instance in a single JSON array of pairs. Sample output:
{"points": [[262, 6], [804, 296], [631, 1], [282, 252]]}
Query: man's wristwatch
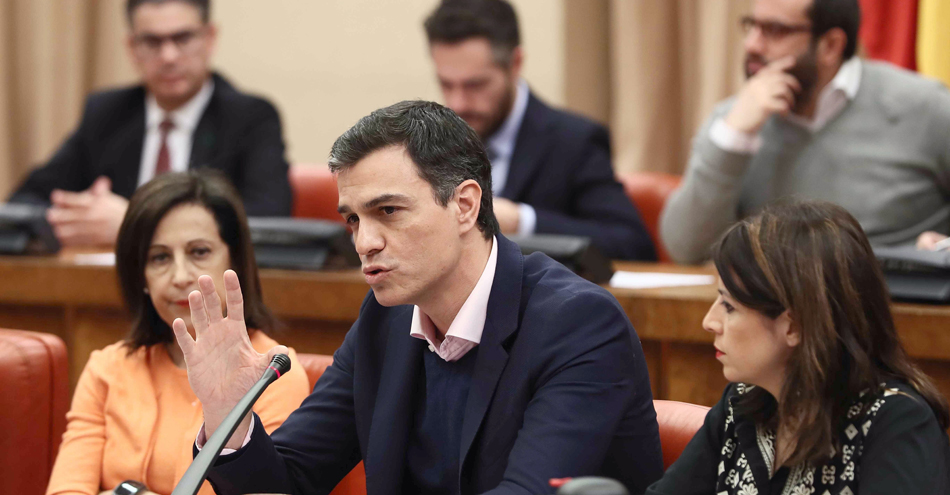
{"points": [[129, 487]]}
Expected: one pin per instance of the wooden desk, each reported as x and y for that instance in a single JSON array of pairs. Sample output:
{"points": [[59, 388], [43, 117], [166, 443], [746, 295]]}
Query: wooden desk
{"points": [[82, 305]]}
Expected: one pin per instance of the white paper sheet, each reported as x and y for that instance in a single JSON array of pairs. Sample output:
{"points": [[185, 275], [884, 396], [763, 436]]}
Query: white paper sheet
{"points": [[645, 280], [97, 259]]}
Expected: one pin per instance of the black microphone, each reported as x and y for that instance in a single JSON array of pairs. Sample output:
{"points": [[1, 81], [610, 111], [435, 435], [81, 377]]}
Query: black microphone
{"points": [[195, 475], [592, 485]]}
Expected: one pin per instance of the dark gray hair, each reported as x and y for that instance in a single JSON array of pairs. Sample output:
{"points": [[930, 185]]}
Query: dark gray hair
{"points": [[203, 6], [826, 15], [454, 21], [445, 150]]}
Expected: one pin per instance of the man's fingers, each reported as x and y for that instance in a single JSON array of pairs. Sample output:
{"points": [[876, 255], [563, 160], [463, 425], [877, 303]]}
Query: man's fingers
{"points": [[786, 95], [199, 317], [211, 299], [792, 82], [58, 215], [101, 186], [235, 300], [185, 341], [784, 63], [69, 199]]}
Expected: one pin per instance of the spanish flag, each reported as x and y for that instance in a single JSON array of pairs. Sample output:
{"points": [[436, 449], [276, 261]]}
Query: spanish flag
{"points": [[933, 39]]}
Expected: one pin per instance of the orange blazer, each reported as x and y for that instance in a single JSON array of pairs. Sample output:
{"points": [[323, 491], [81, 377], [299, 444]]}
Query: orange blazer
{"points": [[111, 425]]}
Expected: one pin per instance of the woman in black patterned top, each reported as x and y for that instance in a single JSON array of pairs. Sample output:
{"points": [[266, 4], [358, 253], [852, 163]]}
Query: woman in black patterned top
{"points": [[824, 399]]}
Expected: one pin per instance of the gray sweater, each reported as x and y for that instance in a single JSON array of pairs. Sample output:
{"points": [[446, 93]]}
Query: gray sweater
{"points": [[885, 158]]}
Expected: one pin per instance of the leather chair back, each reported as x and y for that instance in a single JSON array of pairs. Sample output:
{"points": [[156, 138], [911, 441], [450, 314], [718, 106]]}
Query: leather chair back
{"points": [[34, 399], [355, 482], [315, 193], [649, 192], [679, 422]]}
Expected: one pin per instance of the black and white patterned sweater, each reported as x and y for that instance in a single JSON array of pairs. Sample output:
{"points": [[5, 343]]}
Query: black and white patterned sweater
{"points": [[891, 443]]}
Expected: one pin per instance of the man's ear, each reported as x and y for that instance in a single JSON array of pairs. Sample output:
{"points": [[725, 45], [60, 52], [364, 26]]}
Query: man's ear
{"points": [[212, 38], [468, 197], [789, 329], [831, 47], [517, 61]]}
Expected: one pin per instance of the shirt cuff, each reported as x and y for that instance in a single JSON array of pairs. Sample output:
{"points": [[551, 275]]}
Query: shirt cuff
{"points": [[729, 139], [527, 219], [202, 439]]}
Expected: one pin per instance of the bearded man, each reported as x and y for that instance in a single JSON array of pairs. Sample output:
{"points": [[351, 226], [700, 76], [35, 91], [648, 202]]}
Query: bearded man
{"points": [[814, 121]]}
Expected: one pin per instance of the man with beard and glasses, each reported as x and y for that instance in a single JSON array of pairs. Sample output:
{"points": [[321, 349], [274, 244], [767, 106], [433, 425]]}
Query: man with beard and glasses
{"points": [[814, 121], [551, 170], [182, 116]]}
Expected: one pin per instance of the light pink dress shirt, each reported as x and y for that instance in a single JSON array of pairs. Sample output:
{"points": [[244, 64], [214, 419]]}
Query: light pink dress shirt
{"points": [[465, 332]]}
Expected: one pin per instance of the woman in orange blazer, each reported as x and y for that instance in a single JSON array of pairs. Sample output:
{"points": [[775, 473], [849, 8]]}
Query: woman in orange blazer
{"points": [[134, 416]]}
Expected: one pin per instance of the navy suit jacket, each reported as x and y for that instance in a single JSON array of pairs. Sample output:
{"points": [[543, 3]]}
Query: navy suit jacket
{"points": [[237, 134], [560, 388], [561, 167]]}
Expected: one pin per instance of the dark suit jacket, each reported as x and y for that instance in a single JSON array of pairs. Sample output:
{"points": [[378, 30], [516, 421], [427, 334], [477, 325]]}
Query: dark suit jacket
{"points": [[561, 167], [560, 388], [237, 134]]}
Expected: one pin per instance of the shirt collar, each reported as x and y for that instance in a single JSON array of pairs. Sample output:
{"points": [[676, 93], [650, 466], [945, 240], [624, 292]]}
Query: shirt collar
{"points": [[848, 78], [502, 142], [469, 323], [186, 116]]}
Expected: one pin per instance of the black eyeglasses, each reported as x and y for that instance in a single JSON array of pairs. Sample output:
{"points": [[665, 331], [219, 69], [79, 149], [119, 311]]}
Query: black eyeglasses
{"points": [[772, 30], [151, 44]]}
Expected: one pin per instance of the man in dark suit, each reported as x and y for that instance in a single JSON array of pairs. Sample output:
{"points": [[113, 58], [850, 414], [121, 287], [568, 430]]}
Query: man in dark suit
{"points": [[181, 117], [551, 169], [471, 368]]}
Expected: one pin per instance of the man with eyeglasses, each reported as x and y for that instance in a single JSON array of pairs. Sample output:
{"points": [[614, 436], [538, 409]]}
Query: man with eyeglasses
{"points": [[181, 117], [814, 121]]}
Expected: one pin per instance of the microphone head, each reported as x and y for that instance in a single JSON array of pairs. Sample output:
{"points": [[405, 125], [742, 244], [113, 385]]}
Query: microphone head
{"points": [[592, 485], [281, 363]]}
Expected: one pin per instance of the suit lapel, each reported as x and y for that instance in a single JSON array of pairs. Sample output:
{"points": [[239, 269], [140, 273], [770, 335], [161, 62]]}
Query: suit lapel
{"points": [[530, 148], [204, 140], [501, 322], [395, 401], [126, 154]]}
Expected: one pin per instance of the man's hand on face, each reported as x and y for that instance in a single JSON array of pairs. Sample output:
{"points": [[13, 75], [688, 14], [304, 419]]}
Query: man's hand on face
{"points": [[508, 215], [769, 92], [87, 218]]}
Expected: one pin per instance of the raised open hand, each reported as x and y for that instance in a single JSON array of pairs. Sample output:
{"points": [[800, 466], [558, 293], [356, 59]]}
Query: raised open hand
{"points": [[222, 364]]}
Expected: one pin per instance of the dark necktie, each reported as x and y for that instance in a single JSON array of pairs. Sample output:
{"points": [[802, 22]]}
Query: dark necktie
{"points": [[164, 161]]}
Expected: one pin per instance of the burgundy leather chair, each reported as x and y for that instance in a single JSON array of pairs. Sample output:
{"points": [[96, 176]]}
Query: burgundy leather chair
{"points": [[678, 421], [649, 192], [315, 193], [34, 398], [355, 482]]}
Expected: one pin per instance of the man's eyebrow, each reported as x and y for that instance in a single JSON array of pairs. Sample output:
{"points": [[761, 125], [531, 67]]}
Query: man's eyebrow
{"points": [[386, 198], [378, 200]]}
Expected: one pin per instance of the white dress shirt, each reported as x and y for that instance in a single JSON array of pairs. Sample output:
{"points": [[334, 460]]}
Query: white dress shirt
{"points": [[179, 139], [501, 146], [831, 102], [465, 331]]}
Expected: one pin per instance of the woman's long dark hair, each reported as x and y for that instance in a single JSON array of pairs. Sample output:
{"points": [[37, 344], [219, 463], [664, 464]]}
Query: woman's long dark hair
{"points": [[813, 259], [148, 206]]}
